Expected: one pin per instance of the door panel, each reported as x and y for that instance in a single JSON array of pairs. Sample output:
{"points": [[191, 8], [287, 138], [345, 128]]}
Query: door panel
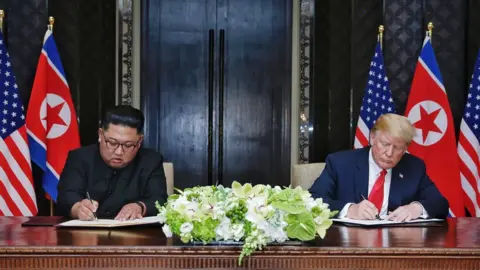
{"points": [[257, 72], [181, 56], [248, 128]]}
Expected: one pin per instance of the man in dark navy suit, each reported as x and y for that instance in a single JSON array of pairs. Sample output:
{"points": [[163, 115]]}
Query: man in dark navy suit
{"points": [[381, 180]]}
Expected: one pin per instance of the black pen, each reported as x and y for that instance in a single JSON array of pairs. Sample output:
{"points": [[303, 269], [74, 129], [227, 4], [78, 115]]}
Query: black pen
{"points": [[90, 199], [377, 216]]}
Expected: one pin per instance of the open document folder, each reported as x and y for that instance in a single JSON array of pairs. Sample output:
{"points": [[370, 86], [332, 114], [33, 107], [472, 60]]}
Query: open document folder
{"points": [[109, 223], [383, 222]]}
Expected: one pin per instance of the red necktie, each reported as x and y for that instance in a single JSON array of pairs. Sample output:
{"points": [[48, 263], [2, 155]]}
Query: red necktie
{"points": [[376, 194]]}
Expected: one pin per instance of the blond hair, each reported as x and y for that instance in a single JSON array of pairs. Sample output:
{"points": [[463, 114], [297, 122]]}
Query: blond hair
{"points": [[396, 125]]}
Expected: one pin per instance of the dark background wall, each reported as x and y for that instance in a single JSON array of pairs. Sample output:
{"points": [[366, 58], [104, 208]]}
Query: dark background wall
{"points": [[84, 31], [344, 37]]}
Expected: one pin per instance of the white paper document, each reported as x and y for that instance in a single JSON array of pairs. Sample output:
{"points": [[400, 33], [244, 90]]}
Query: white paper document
{"points": [[379, 222], [109, 223]]}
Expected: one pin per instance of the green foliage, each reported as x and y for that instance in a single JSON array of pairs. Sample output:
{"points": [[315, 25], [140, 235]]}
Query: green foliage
{"points": [[301, 226], [256, 215], [205, 231]]}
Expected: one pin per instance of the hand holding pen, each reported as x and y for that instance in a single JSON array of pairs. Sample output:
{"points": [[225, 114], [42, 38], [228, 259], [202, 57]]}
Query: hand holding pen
{"points": [[363, 210], [94, 211], [377, 216], [85, 209]]}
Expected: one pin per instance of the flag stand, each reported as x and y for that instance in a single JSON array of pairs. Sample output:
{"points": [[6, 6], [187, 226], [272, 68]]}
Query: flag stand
{"points": [[380, 35], [51, 21], [2, 14], [430, 28]]}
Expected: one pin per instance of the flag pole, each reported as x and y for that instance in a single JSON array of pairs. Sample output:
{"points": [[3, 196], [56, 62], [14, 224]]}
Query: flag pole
{"points": [[430, 28], [51, 21], [2, 14], [380, 35]]}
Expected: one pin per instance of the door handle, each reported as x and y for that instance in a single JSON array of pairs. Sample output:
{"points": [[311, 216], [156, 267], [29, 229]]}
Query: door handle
{"points": [[211, 52], [221, 88]]}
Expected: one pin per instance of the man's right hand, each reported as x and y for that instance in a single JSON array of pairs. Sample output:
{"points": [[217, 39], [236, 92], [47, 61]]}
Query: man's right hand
{"points": [[363, 210], [84, 209]]}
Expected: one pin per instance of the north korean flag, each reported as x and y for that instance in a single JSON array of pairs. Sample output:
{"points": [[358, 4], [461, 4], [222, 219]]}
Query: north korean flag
{"points": [[51, 119]]}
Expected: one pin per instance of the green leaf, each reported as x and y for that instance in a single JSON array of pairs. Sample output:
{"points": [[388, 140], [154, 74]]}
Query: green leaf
{"points": [[290, 207], [288, 201], [238, 190], [322, 228], [257, 189], [301, 227]]}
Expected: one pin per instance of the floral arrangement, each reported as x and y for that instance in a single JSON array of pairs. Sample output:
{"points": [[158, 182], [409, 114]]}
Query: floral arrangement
{"points": [[256, 215]]}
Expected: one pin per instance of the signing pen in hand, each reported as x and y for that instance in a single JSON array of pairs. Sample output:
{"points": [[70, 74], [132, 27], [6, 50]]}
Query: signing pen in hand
{"points": [[94, 213], [377, 216]]}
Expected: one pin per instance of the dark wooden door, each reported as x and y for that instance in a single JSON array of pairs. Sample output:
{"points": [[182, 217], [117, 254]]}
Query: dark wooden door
{"points": [[174, 84], [216, 89], [256, 82]]}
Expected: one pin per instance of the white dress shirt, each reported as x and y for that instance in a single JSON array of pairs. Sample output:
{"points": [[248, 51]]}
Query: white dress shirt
{"points": [[373, 173]]}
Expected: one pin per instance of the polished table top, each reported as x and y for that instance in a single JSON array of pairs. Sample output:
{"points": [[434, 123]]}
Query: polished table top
{"points": [[454, 244], [458, 234]]}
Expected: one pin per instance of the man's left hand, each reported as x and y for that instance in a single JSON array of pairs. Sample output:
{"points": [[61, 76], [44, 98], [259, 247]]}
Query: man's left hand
{"points": [[129, 211], [406, 212]]}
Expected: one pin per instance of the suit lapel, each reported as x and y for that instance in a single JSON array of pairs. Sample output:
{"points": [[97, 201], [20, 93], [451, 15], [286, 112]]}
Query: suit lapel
{"points": [[397, 183], [361, 175]]}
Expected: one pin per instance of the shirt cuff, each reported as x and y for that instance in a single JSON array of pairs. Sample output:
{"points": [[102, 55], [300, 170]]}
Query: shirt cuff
{"points": [[424, 212], [344, 212]]}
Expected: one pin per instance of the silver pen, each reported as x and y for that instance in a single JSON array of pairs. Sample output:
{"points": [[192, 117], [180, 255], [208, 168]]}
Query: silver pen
{"points": [[94, 213]]}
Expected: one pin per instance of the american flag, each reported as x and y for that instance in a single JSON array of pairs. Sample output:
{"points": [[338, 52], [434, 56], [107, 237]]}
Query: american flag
{"points": [[377, 99], [468, 145], [17, 195]]}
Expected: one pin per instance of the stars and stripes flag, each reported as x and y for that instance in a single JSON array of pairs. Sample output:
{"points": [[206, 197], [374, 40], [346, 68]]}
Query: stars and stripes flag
{"points": [[377, 99], [429, 112], [468, 145], [17, 194], [51, 119]]}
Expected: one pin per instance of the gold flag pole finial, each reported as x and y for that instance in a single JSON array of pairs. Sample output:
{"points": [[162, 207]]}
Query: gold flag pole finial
{"points": [[430, 28], [2, 15], [51, 21], [380, 35]]}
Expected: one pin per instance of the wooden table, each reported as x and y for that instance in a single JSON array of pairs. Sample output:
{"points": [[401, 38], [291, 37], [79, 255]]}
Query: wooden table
{"points": [[453, 245]]}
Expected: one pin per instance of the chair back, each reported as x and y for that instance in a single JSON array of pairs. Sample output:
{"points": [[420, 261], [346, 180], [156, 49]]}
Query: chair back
{"points": [[305, 174], [168, 169]]}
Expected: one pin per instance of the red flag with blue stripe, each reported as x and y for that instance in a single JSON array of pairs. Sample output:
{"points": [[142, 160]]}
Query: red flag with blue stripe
{"points": [[51, 119], [429, 112]]}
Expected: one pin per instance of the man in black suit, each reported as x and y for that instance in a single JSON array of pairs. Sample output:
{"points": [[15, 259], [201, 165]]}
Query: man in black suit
{"points": [[123, 180]]}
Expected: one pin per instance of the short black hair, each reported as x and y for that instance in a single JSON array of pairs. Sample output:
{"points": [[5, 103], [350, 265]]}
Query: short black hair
{"points": [[124, 115]]}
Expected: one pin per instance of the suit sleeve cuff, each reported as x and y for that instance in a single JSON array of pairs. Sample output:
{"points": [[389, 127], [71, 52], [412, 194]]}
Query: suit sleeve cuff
{"points": [[424, 212], [344, 212], [144, 207]]}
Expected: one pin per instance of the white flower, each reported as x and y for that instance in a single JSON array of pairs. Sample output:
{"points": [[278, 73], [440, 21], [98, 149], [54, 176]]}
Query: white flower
{"points": [[186, 227], [278, 235], [237, 231], [321, 204], [309, 203], [166, 230], [162, 216], [223, 230], [253, 216]]}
